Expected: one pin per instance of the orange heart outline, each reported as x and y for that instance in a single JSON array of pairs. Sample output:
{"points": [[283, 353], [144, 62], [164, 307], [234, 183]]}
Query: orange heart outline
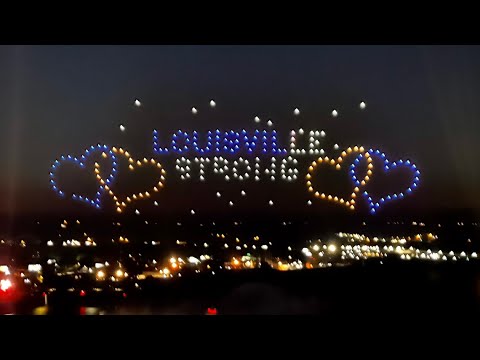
{"points": [[349, 203], [121, 204]]}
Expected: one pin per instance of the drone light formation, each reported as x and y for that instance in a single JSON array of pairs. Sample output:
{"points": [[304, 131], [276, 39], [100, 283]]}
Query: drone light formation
{"points": [[236, 155]]}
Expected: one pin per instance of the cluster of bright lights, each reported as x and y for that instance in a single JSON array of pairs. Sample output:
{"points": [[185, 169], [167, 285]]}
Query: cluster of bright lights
{"points": [[106, 153], [289, 173], [395, 248], [313, 140], [374, 205], [337, 163], [5, 284], [121, 204], [183, 166]]}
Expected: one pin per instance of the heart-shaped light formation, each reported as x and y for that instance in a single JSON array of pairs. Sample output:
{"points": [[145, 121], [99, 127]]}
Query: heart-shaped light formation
{"points": [[375, 205], [106, 152], [121, 204], [349, 203]]}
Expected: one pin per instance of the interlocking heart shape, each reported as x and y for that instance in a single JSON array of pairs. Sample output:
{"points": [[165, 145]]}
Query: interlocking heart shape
{"points": [[374, 205], [105, 184]]}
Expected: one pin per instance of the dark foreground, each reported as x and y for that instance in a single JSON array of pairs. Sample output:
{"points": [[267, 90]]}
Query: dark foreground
{"points": [[364, 291]]}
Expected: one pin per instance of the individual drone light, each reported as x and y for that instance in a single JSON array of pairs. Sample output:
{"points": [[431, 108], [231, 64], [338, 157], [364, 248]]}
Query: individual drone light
{"points": [[218, 194], [336, 147], [334, 113], [243, 193], [230, 203], [257, 119], [363, 105], [270, 203], [122, 128], [194, 110], [137, 212], [323, 133], [309, 202], [192, 212], [212, 103], [296, 111], [269, 123], [137, 103]]}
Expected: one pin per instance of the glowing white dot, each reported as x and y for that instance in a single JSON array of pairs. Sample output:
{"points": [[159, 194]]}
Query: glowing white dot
{"points": [[334, 113], [192, 212], [322, 133], [137, 102], [309, 202], [194, 110], [155, 203], [218, 194], [296, 111], [122, 128], [363, 105], [336, 147], [257, 119], [270, 203], [300, 131], [230, 203], [269, 123], [137, 212]]}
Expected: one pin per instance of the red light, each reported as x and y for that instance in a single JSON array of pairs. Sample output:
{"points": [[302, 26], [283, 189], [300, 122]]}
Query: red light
{"points": [[82, 293], [212, 311], [124, 295], [44, 294]]}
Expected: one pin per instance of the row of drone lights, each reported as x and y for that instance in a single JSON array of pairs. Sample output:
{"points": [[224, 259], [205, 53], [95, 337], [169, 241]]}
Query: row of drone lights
{"points": [[220, 166], [231, 139], [296, 111], [231, 142], [213, 104]]}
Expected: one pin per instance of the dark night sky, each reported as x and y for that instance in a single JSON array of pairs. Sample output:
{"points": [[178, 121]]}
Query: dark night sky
{"points": [[422, 103]]}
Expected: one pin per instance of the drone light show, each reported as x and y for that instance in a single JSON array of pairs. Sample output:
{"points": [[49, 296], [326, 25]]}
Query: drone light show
{"points": [[244, 156]]}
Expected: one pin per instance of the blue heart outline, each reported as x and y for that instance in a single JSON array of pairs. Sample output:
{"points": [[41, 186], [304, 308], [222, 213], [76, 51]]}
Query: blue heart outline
{"points": [[96, 202], [374, 206]]}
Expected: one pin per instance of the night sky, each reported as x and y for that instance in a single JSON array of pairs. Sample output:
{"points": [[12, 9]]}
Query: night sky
{"points": [[422, 104]]}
